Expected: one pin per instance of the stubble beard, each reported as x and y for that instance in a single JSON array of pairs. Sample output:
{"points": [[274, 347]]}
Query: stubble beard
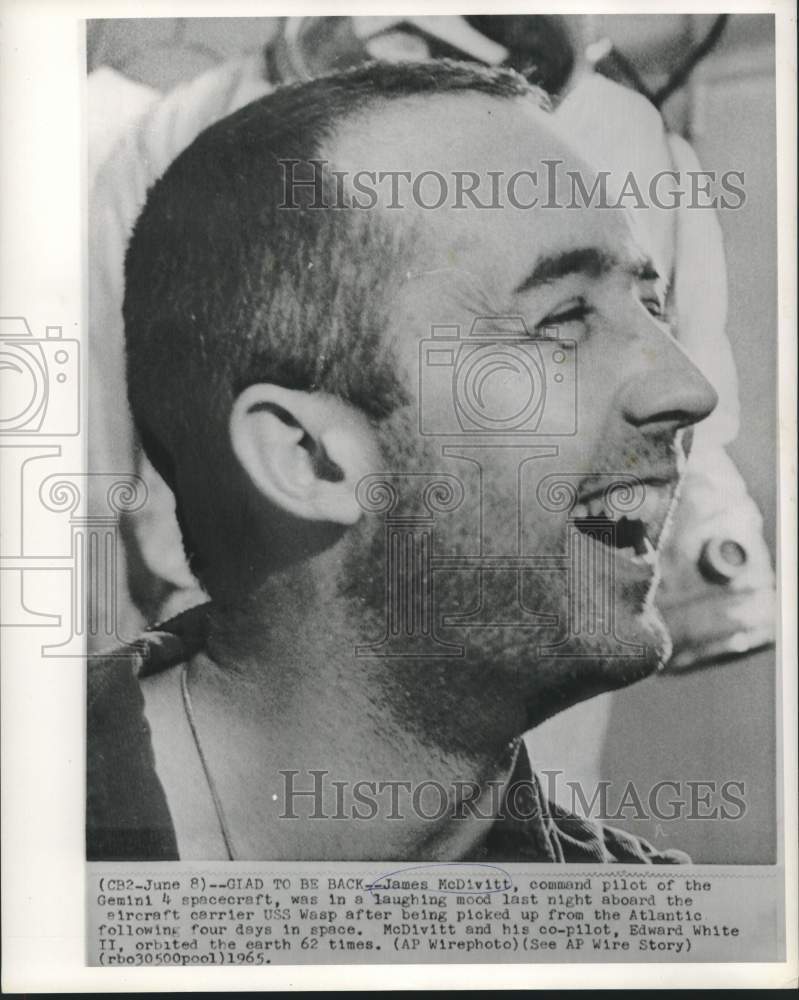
{"points": [[549, 666]]}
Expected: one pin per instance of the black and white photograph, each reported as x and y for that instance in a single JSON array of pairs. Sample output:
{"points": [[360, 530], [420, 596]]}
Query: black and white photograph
{"points": [[406, 502]]}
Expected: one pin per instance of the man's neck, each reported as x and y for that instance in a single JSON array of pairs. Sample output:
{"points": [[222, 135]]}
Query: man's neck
{"points": [[291, 721]]}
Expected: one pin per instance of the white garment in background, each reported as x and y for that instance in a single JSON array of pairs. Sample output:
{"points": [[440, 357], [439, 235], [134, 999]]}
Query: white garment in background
{"points": [[154, 130]]}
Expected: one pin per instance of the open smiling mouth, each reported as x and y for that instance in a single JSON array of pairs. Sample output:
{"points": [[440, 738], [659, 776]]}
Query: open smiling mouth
{"points": [[633, 525]]}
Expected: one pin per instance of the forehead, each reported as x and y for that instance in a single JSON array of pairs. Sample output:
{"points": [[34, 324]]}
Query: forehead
{"points": [[507, 150], [431, 131]]}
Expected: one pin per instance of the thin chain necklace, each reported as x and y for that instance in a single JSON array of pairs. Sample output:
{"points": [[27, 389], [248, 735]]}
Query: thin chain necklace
{"points": [[189, 710]]}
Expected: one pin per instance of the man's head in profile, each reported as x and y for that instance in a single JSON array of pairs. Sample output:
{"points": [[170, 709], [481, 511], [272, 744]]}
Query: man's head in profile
{"points": [[423, 457]]}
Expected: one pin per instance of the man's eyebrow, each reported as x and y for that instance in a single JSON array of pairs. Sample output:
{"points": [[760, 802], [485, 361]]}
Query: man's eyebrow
{"points": [[590, 261]]}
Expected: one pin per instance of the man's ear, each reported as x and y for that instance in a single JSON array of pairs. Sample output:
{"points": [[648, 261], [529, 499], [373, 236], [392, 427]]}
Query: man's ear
{"points": [[304, 451]]}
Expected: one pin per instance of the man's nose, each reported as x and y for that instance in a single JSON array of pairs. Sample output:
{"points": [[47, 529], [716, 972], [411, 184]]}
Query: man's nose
{"points": [[667, 391]]}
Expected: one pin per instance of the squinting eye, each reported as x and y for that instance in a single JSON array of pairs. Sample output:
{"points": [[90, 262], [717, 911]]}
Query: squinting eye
{"points": [[572, 314]]}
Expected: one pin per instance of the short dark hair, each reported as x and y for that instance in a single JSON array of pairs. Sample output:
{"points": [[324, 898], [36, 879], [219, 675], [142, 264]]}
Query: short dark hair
{"points": [[224, 289]]}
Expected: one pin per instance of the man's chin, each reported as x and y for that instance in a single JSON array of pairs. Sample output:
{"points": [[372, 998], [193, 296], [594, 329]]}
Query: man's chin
{"points": [[554, 677], [647, 631], [640, 647]]}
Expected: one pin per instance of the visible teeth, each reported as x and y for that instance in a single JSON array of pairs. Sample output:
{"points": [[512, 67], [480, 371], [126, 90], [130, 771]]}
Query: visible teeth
{"points": [[651, 504], [645, 504]]}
